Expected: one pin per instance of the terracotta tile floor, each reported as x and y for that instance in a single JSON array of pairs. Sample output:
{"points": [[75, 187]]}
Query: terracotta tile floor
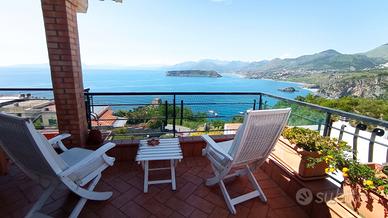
{"points": [[125, 179]]}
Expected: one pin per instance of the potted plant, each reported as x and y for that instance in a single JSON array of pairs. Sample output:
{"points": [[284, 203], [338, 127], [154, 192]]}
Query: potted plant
{"points": [[308, 154], [365, 189]]}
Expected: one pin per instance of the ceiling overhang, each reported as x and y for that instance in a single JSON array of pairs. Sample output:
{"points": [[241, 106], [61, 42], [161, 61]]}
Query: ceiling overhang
{"points": [[82, 5]]}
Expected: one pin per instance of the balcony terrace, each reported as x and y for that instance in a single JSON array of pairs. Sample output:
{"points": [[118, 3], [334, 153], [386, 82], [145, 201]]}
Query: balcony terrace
{"points": [[75, 113], [192, 198], [125, 179]]}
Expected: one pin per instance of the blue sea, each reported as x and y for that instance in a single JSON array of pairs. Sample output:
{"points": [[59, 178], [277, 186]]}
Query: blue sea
{"points": [[155, 80]]}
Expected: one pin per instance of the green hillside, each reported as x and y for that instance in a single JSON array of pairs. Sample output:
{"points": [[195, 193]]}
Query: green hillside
{"points": [[379, 52]]}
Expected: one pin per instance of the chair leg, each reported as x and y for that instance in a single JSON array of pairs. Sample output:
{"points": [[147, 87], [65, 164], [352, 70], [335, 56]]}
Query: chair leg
{"points": [[230, 202], [43, 198], [81, 203], [227, 198], [256, 185]]}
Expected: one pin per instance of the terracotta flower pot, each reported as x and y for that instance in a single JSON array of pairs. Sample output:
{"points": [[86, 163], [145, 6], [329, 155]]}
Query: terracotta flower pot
{"points": [[296, 159], [366, 203]]}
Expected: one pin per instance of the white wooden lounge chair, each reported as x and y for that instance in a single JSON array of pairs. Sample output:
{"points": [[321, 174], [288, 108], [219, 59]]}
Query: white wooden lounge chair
{"points": [[251, 146], [77, 168]]}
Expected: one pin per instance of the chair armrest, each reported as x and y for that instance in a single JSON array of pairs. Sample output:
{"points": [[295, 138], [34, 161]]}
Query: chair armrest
{"points": [[90, 158], [57, 140], [215, 147]]}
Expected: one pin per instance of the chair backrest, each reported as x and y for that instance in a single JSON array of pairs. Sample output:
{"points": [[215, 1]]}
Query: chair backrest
{"points": [[258, 135], [29, 149]]}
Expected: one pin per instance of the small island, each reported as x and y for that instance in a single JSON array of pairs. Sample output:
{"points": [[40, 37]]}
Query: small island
{"points": [[193, 73], [288, 89]]}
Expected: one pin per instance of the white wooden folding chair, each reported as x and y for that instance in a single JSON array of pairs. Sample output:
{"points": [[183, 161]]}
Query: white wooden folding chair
{"points": [[77, 168], [251, 146]]}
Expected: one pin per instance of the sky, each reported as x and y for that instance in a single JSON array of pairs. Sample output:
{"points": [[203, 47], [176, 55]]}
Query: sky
{"points": [[165, 32]]}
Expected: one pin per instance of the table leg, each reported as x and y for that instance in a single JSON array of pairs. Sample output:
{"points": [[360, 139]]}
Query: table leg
{"points": [[146, 167], [173, 183]]}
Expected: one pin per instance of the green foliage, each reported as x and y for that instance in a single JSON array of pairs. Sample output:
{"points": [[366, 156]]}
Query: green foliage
{"points": [[301, 115], [376, 108], [38, 124], [154, 123], [120, 131], [337, 154], [330, 150], [218, 124], [120, 113], [358, 172], [192, 124], [322, 78], [153, 116], [238, 119], [370, 179], [303, 138]]}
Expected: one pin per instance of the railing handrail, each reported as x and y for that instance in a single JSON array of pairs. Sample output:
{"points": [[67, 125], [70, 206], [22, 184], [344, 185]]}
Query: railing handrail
{"points": [[172, 93]]}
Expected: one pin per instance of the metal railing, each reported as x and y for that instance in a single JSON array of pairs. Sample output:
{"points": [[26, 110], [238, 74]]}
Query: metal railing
{"points": [[194, 113], [240, 101]]}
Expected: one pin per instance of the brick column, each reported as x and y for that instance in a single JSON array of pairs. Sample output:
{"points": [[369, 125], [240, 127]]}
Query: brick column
{"points": [[60, 21]]}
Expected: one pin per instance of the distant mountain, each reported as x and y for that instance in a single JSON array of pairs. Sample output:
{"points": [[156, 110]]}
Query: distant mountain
{"points": [[379, 52], [326, 61], [208, 64], [337, 74]]}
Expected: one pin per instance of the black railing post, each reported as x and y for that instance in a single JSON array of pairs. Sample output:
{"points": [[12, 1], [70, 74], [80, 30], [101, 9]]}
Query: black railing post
{"points": [[87, 108], [261, 101], [165, 113], [375, 132], [91, 104], [327, 125], [359, 127], [341, 134], [319, 125], [181, 121], [254, 104], [174, 115]]}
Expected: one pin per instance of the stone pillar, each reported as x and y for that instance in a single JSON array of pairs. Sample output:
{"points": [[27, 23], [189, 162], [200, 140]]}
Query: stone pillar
{"points": [[60, 21]]}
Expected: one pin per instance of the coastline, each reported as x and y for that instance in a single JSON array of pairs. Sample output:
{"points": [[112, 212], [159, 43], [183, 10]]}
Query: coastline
{"points": [[300, 85]]}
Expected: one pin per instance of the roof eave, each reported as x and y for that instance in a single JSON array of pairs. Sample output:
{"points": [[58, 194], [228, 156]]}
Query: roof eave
{"points": [[82, 6]]}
